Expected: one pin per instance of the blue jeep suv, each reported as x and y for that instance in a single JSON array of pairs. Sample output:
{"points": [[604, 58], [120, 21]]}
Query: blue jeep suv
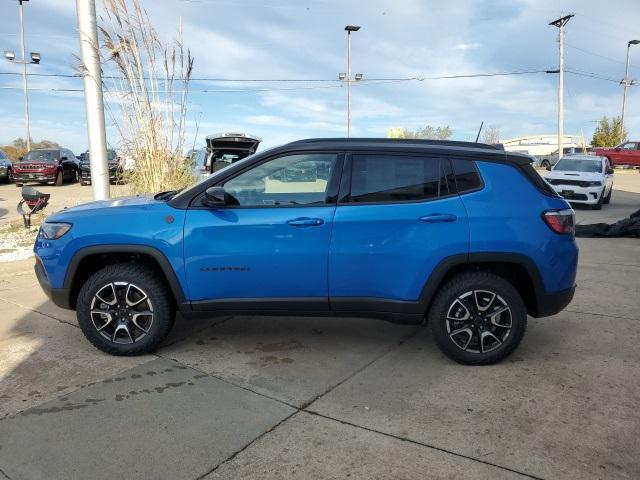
{"points": [[465, 235]]}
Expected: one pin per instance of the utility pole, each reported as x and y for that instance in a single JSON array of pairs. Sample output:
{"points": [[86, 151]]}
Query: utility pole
{"points": [[349, 29], [560, 23], [92, 78], [626, 83], [25, 85]]}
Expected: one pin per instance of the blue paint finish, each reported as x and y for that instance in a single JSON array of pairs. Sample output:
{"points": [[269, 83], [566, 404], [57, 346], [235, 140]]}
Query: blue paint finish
{"points": [[258, 252], [389, 250], [133, 220], [506, 216]]}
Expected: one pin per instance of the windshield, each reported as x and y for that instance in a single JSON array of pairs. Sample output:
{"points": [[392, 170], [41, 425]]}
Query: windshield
{"points": [[42, 155], [578, 165], [111, 156]]}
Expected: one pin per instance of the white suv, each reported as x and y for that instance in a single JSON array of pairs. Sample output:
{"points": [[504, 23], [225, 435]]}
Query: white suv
{"points": [[583, 179]]}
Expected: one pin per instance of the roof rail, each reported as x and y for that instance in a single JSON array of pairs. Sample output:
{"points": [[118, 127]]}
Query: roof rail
{"points": [[446, 143]]}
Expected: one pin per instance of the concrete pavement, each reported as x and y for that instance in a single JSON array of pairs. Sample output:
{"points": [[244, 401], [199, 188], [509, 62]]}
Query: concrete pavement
{"points": [[285, 397]]}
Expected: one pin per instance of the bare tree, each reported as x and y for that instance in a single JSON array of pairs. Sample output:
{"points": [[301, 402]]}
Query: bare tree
{"points": [[149, 84], [491, 135], [428, 132]]}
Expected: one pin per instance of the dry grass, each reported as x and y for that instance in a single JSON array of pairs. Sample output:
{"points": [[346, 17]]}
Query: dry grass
{"points": [[150, 83]]}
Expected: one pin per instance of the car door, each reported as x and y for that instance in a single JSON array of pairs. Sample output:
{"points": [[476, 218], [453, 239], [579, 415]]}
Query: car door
{"points": [[270, 248], [400, 217], [626, 153]]}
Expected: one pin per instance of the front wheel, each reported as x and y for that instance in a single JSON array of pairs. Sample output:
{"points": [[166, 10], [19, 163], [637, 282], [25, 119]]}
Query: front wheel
{"points": [[124, 309], [478, 318], [545, 164], [59, 179], [607, 199]]}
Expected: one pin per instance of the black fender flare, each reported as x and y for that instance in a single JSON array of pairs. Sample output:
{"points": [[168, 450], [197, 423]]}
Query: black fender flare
{"points": [[157, 255]]}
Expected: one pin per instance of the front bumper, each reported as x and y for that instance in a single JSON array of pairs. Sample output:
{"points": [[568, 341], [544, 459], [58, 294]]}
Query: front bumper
{"points": [[577, 194], [114, 174], [59, 296], [21, 177]]}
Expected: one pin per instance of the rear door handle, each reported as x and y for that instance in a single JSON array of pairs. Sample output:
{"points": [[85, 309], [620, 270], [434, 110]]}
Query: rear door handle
{"points": [[305, 222], [438, 217]]}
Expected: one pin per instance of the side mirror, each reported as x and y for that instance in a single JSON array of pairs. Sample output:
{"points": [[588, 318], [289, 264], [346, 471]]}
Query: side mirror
{"points": [[610, 171], [548, 168], [215, 196], [62, 159], [20, 159], [617, 149]]}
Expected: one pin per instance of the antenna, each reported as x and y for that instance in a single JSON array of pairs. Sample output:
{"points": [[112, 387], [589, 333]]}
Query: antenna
{"points": [[479, 130]]}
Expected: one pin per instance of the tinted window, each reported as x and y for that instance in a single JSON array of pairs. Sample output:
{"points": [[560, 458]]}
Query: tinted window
{"points": [[284, 181], [466, 175], [396, 178], [2, 155]]}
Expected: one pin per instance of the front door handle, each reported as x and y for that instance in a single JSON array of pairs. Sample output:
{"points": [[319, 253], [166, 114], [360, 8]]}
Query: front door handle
{"points": [[305, 222], [438, 217]]}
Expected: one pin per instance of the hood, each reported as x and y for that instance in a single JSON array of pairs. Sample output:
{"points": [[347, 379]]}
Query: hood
{"points": [[102, 205], [586, 176]]}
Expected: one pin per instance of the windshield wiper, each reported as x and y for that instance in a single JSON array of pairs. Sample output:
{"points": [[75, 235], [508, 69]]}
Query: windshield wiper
{"points": [[168, 195]]}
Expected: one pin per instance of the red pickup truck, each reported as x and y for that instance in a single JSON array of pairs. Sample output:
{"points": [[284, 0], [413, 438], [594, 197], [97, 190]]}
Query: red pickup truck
{"points": [[627, 153]]}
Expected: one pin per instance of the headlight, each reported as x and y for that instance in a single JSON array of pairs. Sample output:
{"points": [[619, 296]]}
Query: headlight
{"points": [[594, 184], [53, 231]]}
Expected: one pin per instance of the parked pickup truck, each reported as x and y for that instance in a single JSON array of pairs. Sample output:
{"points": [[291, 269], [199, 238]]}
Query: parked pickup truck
{"points": [[627, 153]]}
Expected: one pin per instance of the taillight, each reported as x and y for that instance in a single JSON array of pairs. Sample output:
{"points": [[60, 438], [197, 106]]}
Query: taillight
{"points": [[560, 221]]}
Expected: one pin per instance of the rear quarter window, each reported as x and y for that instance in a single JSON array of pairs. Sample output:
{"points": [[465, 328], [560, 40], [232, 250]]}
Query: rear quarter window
{"points": [[466, 175]]}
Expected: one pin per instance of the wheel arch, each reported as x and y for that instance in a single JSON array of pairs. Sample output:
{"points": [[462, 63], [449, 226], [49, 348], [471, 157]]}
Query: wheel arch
{"points": [[517, 269], [88, 260]]}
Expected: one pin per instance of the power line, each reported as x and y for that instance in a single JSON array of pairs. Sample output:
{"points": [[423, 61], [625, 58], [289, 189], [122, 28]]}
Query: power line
{"points": [[599, 55], [592, 75]]}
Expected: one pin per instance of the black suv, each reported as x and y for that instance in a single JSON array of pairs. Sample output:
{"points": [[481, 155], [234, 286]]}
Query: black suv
{"points": [[115, 167]]}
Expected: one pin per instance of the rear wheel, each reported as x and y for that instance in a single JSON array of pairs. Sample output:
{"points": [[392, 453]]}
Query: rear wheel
{"points": [[124, 309], [478, 318]]}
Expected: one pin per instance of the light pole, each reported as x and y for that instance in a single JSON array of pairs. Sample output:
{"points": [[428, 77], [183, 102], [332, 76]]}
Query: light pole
{"points": [[93, 99], [35, 59], [626, 83], [560, 23], [349, 29]]}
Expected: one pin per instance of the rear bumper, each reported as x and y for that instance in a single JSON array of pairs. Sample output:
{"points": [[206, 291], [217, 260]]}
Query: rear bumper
{"points": [[59, 296], [552, 303]]}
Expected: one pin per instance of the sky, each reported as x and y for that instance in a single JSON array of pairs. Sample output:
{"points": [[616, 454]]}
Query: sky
{"points": [[305, 39]]}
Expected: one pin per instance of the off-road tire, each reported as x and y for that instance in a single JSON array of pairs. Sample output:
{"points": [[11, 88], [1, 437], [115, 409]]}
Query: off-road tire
{"points": [[155, 288], [472, 281]]}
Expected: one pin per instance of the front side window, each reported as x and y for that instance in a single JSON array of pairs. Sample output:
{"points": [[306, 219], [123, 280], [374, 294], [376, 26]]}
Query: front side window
{"points": [[291, 180], [398, 178], [629, 146]]}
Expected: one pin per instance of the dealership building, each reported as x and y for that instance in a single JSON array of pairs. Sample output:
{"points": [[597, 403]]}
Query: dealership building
{"points": [[541, 144]]}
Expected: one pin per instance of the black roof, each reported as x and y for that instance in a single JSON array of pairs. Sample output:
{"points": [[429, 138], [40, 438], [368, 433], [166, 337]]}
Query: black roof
{"points": [[494, 153]]}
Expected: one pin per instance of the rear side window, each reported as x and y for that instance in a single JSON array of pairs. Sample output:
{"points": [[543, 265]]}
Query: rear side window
{"points": [[466, 175], [398, 178]]}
